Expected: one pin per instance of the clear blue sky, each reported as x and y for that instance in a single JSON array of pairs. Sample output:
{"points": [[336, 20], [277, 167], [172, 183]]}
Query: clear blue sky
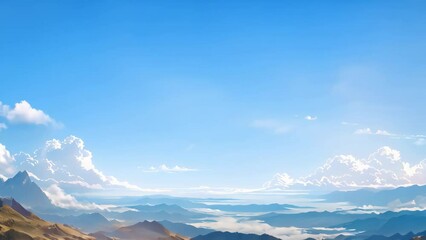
{"points": [[219, 86]]}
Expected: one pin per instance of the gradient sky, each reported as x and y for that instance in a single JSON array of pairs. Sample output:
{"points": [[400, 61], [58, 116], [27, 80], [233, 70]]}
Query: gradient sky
{"points": [[222, 87]]}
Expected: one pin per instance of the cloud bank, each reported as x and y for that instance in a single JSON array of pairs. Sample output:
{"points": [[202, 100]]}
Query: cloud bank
{"points": [[68, 164], [382, 168]]}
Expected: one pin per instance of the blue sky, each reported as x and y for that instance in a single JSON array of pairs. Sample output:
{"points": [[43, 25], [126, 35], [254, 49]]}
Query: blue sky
{"points": [[222, 87]]}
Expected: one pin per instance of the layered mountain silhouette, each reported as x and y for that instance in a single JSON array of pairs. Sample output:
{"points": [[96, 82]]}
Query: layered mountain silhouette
{"points": [[236, 236], [377, 197], [25, 191], [158, 212]]}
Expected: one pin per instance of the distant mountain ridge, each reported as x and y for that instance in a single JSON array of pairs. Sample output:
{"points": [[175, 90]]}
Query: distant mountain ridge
{"points": [[185, 229], [234, 236], [380, 197], [145, 230]]}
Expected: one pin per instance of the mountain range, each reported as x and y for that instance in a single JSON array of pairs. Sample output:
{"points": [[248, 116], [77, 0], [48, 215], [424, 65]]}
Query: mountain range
{"points": [[234, 236], [378, 197]]}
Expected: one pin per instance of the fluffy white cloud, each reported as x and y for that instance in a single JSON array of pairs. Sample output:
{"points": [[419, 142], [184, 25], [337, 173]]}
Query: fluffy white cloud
{"points": [[6, 162], [23, 112], [382, 168], [165, 168], [272, 125], [68, 164], [59, 198], [311, 118]]}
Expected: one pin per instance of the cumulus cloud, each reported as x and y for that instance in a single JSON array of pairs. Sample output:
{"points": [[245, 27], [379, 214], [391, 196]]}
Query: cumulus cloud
{"points": [[23, 112], [166, 169], [382, 168], [68, 164], [311, 118], [272, 125], [6, 162]]}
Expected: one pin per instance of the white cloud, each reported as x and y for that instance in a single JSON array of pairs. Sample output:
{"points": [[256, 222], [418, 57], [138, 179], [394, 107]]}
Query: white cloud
{"points": [[59, 198], [23, 112], [232, 224], [368, 131], [6, 161], [69, 164], [272, 125], [382, 168], [418, 139], [311, 118], [3, 126], [166, 169]]}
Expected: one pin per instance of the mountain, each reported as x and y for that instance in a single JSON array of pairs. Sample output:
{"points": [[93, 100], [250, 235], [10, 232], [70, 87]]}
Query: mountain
{"points": [[377, 197], [236, 236], [159, 212], [309, 219], [388, 223], [403, 224], [146, 231], [93, 222], [185, 229], [15, 206], [21, 188], [100, 236], [27, 226]]}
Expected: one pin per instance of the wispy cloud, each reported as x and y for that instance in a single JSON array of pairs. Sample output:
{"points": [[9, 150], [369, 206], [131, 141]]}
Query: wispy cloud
{"points": [[368, 131], [3, 126], [419, 139], [349, 123], [24, 113], [311, 118], [272, 125], [164, 168]]}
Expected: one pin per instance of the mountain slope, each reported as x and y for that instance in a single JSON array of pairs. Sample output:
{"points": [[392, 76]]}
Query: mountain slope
{"points": [[15, 226], [93, 222], [185, 229], [146, 231]]}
